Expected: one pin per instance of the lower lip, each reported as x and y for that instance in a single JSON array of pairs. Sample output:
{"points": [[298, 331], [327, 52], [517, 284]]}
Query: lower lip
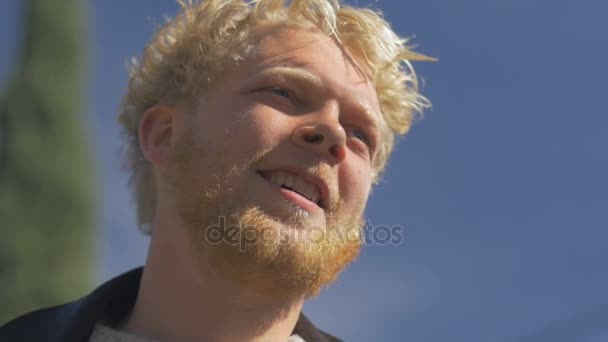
{"points": [[298, 199]]}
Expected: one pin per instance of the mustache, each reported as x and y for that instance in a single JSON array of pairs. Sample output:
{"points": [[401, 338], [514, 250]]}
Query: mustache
{"points": [[321, 170], [324, 172]]}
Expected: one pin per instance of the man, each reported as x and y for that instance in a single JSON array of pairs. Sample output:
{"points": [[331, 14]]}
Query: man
{"points": [[254, 134]]}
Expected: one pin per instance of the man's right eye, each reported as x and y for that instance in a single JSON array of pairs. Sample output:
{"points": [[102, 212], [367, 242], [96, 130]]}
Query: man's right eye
{"points": [[282, 92]]}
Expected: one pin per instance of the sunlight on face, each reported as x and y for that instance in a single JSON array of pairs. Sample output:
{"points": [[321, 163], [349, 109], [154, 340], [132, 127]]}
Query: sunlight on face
{"points": [[253, 247], [235, 222]]}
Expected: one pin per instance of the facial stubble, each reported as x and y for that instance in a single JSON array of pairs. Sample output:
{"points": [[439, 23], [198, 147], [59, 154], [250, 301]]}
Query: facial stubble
{"points": [[244, 243]]}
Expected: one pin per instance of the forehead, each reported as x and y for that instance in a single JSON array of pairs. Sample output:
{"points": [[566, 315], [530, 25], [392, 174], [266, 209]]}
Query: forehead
{"points": [[317, 54]]}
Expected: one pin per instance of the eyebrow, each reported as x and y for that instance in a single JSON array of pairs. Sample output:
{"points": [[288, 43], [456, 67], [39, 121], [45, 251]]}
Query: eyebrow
{"points": [[302, 74], [292, 73]]}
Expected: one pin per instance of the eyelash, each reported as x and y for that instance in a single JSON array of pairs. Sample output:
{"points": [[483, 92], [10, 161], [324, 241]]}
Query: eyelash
{"points": [[366, 139], [287, 92]]}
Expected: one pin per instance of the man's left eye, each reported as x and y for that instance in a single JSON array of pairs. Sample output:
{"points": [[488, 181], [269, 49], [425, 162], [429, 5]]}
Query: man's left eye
{"points": [[363, 137]]}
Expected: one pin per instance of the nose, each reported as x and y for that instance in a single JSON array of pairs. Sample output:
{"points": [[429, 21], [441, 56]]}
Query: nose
{"points": [[326, 135]]}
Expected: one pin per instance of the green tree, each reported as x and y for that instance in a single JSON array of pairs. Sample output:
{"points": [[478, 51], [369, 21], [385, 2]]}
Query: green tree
{"points": [[46, 197]]}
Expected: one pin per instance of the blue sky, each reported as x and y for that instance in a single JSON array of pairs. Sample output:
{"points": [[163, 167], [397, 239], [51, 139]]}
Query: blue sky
{"points": [[502, 188]]}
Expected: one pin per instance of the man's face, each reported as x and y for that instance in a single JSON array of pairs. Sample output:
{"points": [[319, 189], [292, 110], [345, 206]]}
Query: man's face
{"points": [[281, 147]]}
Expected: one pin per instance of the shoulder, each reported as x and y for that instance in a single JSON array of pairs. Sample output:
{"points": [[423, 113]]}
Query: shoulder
{"points": [[75, 320], [39, 325], [309, 332], [329, 337]]}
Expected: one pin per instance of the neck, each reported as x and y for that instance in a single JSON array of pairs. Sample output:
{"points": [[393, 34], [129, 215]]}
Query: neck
{"points": [[181, 299]]}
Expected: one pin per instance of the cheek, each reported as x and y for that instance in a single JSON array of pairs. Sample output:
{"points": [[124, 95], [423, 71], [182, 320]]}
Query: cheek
{"points": [[355, 183], [263, 126], [233, 131]]}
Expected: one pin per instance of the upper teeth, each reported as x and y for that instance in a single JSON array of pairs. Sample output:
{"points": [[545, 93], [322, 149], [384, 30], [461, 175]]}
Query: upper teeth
{"points": [[296, 183]]}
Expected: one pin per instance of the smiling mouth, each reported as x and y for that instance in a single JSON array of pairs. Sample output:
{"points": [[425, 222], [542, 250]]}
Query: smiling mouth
{"points": [[301, 188]]}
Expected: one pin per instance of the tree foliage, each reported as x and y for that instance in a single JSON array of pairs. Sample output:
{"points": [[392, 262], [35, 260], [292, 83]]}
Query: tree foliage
{"points": [[46, 203]]}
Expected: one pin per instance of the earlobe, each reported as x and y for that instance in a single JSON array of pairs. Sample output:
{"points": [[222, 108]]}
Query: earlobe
{"points": [[155, 133]]}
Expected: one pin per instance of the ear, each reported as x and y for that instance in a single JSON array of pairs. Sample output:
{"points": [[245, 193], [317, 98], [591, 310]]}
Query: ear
{"points": [[156, 129]]}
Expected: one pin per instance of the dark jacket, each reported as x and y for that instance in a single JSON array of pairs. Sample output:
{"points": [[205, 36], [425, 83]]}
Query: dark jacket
{"points": [[109, 303]]}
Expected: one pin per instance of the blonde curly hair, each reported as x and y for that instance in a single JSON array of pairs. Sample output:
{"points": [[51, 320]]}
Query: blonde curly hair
{"points": [[187, 52]]}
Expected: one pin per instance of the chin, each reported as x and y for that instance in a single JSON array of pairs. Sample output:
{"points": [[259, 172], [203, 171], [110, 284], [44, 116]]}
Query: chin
{"points": [[259, 250], [294, 217]]}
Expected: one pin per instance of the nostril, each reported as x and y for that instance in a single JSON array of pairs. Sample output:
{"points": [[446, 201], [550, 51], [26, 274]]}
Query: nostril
{"points": [[314, 138], [337, 151]]}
